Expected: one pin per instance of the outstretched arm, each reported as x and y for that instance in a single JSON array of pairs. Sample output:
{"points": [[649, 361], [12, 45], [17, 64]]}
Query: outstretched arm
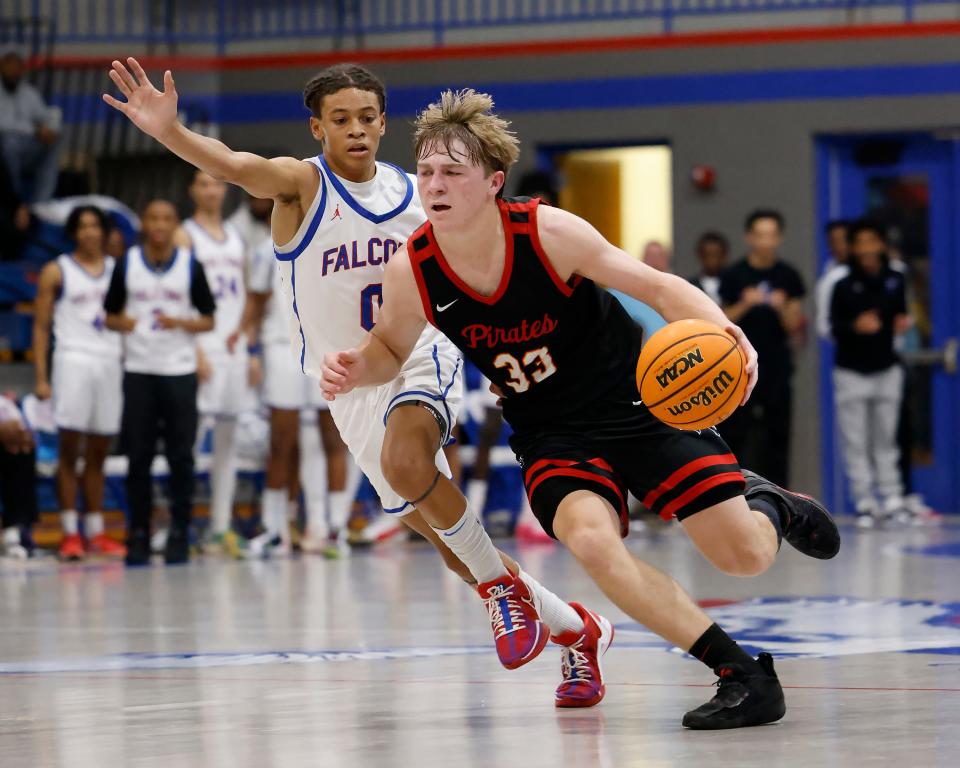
{"points": [[155, 113], [574, 246], [386, 348]]}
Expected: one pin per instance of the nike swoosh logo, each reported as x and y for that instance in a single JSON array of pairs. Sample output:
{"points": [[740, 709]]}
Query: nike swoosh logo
{"points": [[638, 402], [446, 306]]}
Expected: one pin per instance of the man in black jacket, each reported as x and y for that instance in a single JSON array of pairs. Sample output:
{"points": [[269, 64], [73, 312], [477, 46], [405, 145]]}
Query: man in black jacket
{"points": [[867, 310]]}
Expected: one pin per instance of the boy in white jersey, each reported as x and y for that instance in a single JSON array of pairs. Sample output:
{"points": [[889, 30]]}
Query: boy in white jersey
{"points": [[352, 214], [225, 372], [87, 375]]}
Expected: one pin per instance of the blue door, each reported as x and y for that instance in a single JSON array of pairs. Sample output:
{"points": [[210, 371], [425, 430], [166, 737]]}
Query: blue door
{"points": [[911, 184]]}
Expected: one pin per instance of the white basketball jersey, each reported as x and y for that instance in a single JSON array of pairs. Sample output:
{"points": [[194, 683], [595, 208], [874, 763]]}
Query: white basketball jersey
{"points": [[152, 292], [332, 269], [223, 262], [78, 315]]}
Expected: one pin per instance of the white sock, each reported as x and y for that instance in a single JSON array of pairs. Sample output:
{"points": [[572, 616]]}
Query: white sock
{"points": [[341, 502], [313, 478], [477, 494], [70, 522], [11, 536], [223, 475], [469, 541], [554, 612], [93, 524], [273, 511]]}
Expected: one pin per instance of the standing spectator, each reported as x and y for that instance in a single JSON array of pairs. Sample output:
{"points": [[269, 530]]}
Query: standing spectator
{"points": [[762, 294], [87, 375], [154, 299], [18, 479], [29, 136], [868, 309], [713, 250], [835, 270]]}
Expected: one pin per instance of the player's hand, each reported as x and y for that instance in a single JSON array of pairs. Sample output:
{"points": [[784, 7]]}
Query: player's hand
{"points": [[204, 369], [340, 372], [232, 340], [868, 323], [167, 323], [752, 370], [43, 390], [254, 372], [153, 112]]}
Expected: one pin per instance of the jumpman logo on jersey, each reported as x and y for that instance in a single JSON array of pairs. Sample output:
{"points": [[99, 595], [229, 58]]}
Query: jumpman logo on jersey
{"points": [[336, 214]]}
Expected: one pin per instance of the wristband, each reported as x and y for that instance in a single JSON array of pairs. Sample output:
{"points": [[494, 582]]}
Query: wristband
{"points": [[254, 349]]}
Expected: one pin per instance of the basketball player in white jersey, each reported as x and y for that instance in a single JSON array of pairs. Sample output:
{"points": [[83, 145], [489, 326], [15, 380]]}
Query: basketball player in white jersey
{"points": [[225, 374], [87, 376], [287, 391], [337, 219]]}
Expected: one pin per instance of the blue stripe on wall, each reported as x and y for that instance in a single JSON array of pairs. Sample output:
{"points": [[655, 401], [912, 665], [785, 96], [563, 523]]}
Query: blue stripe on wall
{"points": [[628, 92]]}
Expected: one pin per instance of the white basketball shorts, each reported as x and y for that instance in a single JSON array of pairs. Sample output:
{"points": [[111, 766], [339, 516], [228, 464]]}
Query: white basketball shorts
{"points": [[87, 393], [227, 392], [285, 385], [434, 376]]}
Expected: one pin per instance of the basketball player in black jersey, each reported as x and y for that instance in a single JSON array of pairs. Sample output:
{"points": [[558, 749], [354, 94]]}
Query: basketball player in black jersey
{"points": [[513, 284]]}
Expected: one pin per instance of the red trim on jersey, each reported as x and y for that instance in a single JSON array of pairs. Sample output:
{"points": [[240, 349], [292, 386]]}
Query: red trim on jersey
{"points": [[454, 278], [698, 490], [565, 289], [684, 472], [415, 259], [584, 475]]}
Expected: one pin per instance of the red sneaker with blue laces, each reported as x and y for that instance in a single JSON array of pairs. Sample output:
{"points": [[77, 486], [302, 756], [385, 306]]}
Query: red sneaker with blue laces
{"points": [[582, 684], [517, 629]]}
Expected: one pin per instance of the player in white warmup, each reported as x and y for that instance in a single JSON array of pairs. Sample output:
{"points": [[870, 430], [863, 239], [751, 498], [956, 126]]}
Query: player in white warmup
{"points": [[287, 391], [225, 374], [337, 219], [87, 382]]}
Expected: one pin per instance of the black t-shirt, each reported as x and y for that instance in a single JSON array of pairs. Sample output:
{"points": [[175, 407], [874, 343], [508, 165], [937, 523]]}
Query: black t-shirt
{"points": [[762, 323], [858, 292]]}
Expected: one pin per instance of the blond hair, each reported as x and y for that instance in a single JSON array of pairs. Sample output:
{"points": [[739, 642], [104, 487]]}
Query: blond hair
{"points": [[467, 116]]}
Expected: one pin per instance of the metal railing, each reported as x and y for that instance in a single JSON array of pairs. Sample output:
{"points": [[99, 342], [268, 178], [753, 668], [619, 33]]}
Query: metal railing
{"points": [[220, 23]]}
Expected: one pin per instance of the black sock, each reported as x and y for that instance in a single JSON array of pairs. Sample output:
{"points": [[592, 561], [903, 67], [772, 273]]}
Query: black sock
{"points": [[763, 504], [716, 647]]}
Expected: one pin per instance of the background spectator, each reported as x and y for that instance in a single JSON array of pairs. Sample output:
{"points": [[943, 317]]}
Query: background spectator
{"points": [[657, 255], [761, 293], [154, 298], [867, 310], [835, 270], [713, 251], [29, 133]]}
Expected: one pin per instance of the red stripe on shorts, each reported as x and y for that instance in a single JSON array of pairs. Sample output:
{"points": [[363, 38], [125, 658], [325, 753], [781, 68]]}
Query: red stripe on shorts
{"points": [[584, 475], [683, 473], [699, 489]]}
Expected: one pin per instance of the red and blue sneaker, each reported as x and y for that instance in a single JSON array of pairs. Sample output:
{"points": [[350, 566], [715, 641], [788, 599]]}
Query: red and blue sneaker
{"points": [[517, 629], [582, 684]]}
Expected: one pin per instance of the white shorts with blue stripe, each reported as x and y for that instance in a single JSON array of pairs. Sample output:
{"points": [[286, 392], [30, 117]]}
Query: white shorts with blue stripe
{"points": [[433, 375]]}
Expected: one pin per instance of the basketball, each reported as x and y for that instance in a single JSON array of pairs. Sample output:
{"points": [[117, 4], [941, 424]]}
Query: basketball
{"points": [[691, 374]]}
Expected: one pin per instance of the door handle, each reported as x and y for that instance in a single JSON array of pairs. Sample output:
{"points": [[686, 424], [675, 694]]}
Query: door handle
{"points": [[947, 357]]}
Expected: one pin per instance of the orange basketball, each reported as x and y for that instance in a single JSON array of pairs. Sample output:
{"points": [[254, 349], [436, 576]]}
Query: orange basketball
{"points": [[691, 374]]}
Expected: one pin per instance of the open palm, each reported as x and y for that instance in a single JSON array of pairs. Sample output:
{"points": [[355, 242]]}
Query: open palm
{"points": [[152, 111]]}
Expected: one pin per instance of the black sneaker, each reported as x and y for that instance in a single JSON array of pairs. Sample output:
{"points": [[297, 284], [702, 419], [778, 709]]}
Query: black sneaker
{"points": [[745, 696], [177, 550], [809, 528], [138, 547]]}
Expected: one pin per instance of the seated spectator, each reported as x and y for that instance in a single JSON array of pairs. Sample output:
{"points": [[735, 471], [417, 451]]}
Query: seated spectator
{"points": [[18, 480], [713, 250], [867, 310], [29, 133]]}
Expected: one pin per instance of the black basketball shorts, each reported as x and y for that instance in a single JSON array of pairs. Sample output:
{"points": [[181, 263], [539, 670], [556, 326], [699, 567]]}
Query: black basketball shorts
{"points": [[616, 446]]}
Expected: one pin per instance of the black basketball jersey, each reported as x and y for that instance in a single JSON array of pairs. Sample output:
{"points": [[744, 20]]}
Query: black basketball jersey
{"points": [[553, 347]]}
